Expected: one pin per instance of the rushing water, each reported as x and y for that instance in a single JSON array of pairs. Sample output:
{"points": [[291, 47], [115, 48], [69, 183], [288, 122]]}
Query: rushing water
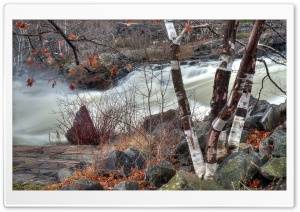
{"points": [[34, 121]]}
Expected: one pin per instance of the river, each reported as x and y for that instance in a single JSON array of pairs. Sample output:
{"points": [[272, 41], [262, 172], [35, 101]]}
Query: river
{"points": [[34, 120]]}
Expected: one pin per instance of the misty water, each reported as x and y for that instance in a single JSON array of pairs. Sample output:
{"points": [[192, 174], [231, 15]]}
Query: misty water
{"points": [[34, 120]]}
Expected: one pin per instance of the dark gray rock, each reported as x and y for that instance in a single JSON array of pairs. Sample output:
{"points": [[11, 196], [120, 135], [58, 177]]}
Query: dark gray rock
{"points": [[270, 119], [252, 121], [186, 181], [159, 174], [236, 169], [136, 158], [116, 161], [277, 185], [127, 185], [83, 184], [274, 145], [275, 168]]}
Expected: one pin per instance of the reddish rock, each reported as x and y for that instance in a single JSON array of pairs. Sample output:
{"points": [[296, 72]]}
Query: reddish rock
{"points": [[83, 131]]}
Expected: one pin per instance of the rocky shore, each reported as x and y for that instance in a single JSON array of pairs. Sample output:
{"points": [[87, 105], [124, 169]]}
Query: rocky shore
{"points": [[259, 165]]}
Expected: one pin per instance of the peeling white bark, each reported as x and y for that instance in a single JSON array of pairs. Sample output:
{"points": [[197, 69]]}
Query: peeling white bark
{"points": [[211, 168], [218, 124], [175, 65]]}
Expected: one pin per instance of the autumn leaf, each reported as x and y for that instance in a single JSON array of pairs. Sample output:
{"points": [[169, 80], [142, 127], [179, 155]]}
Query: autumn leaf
{"points": [[156, 21], [128, 21], [30, 81], [53, 84], [44, 50], [73, 36], [33, 52], [90, 61], [188, 27], [72, 70], [81, 67], [255, 183], [22, 25], [29, 61], [113, 71], [60, 66], [60, 42], [72, 86], [50, 59], [46, 41]]}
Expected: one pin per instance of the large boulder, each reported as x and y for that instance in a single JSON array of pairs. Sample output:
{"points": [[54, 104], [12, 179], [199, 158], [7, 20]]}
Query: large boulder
{"points": [[127, 185], [270, 120], [136, 158], [115, 162], [274, 145], [159, 174], [275, 168], [236, 169], [83, 131], [186, 181], [83, 184]]}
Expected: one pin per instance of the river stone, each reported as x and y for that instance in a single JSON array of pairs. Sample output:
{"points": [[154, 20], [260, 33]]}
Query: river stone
{"points": [[83, 184], [136, 158], [237, 168], [275, 168], [270, 119], [275, 144], [159, 174], [127, 185], [186, 181]]}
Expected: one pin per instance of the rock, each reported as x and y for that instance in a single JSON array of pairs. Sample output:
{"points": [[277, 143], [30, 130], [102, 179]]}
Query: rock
{"points": [[186, 168], [83, 131], [274, 145], [186, 181], [257, 106], [115, 162], [270, 119], [64, 174], [127, 185], [159, 174], [277, 185], [251, 122], [244, 136], [170, 116], [83, 184], [275, 168], [136, 158], [236, 169], [247, 148], [282, 111]]}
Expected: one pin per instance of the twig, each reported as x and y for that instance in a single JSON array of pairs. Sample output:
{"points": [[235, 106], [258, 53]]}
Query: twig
{"points": [[273, 50], [276, 32], [268, 74]]}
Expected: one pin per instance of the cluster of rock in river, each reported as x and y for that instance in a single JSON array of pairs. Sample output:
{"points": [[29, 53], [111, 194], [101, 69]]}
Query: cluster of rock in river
{"points": [[54, 164]]}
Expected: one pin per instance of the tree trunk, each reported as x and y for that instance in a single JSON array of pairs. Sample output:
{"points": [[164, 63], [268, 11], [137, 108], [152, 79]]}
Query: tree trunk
{"points": [[244, 73], [183, 103], [223, 73], [241, 113]]}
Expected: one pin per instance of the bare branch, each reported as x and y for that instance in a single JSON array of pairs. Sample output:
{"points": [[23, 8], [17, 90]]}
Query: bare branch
{"points": [[276, 32], [273, 50], [268, 74]]}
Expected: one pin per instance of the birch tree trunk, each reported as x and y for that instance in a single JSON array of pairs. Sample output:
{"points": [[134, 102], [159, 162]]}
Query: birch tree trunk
{"points": [[241, 113], [244, 72], [183, 103], [223, 73]]}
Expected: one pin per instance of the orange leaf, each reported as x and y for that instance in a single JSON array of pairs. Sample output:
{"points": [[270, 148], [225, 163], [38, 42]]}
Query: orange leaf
{"points": [[255, 183], [188, 27], [46, 41], [30, 81], [33, 52], [128, 21], [156, 21], [72, 70], [60, 66], [90, 61], [19, 23], [72, 36], [50, 59], [60, 42], [22, 25], [44, 50], [72, 86], [29, 61], [113, 71]]}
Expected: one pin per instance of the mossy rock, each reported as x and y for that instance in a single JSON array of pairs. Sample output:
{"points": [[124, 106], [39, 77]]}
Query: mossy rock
{"points": [[275, 168], [186, 181]]}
